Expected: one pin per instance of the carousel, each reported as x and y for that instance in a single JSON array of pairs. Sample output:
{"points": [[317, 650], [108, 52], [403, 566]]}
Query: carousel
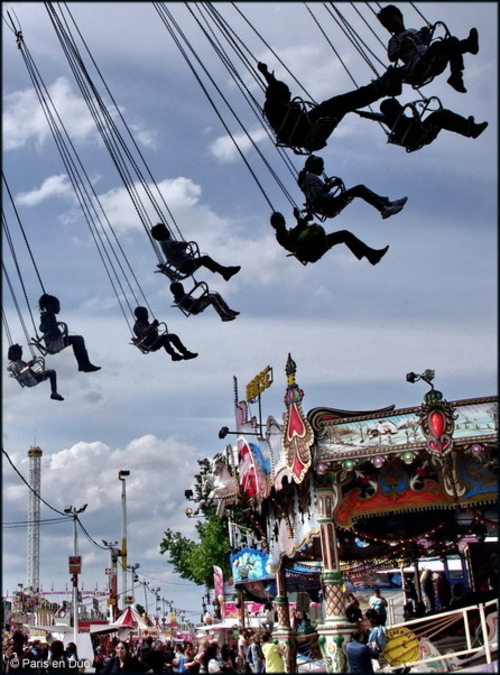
{"points": [[334, 497]]}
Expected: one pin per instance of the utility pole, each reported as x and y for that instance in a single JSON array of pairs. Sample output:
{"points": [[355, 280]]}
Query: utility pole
{"points": [[135, 577], [113, 578], [75, 566]]}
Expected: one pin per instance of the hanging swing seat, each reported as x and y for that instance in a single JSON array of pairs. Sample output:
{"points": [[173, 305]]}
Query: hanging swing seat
{"points": [[39, 342], [37, 365], [312, 209], [172, 272], [418, 109], [199, 291], [296, 120], [140, 343], [423, 75]]}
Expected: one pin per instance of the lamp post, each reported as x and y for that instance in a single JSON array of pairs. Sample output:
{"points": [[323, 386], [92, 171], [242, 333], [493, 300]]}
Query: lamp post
{"points": [[75, 566], [122, 475]]}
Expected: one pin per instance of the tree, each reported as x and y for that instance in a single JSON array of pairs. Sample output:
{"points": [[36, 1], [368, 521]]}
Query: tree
{"points": [[192, 560], [195, 561]]}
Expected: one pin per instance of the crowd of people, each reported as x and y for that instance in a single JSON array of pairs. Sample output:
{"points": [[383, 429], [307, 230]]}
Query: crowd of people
{"points": [[253, 651], [21, 655]]}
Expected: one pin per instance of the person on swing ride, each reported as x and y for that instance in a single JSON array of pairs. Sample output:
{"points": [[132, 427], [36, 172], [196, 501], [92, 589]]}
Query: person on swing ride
{"points": [[296, 127], [320, 200], [198, 305], [176, 254], [420, 56], [23, 372], [308, 243], [413, 132], [54, 339], [148, 334]]}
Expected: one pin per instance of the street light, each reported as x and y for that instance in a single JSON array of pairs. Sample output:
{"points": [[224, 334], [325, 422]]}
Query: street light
{"points": [[76, 568], [122, 475], [224, 431]]}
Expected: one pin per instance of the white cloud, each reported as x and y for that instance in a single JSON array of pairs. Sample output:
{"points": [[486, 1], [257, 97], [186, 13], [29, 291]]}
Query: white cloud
{"points": [[24, 120], [179, 193], [353, 330], [54, 186], [225, 150]]}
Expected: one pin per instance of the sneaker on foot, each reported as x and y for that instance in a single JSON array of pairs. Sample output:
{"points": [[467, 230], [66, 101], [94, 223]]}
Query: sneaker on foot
{"points": [[89, 369], [377, 255], [477, 129], [177, 357], [228, 317], [391, 209], [190, 355], [457, 82], [56, 397], [230, 272], [472, 42], [399, 202]]}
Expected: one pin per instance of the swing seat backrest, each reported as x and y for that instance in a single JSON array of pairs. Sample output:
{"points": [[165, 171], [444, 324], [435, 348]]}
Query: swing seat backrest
{"points": [[200, 289], [37, 366], [140, 342], [39, 342], [172, 272]]}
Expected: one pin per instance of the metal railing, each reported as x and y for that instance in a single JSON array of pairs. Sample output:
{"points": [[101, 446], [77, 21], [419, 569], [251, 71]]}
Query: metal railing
{"points": [[448, 639]]}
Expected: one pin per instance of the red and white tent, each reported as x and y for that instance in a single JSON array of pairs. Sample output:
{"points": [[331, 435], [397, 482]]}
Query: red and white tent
{"points": [[130, 618]]}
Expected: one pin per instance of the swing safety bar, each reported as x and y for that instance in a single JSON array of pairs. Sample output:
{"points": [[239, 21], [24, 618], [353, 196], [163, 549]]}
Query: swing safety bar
{"points": [[39, 343], [204, 292], [145, 349], [338, 190], [315, 138], [37, 365], [436, 66], [171, 272], [418, 109]]}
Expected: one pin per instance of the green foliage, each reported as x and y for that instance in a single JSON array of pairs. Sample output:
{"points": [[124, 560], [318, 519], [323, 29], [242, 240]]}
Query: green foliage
{"points": [[195, 561]]}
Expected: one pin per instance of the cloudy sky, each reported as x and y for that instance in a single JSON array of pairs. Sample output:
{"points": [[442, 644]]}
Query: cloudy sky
{"points": [[354, 330]]}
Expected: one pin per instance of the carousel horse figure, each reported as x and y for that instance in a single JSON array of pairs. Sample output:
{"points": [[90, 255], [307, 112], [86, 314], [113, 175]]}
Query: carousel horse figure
{"points": [[223, 488]]}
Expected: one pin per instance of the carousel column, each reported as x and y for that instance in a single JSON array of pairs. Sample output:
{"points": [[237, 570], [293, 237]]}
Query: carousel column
{"points": [[283, 633], [335, 631]]}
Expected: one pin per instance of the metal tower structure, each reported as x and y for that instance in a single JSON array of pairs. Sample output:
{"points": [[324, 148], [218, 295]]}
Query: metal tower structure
{"points": [[33, 558]]}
